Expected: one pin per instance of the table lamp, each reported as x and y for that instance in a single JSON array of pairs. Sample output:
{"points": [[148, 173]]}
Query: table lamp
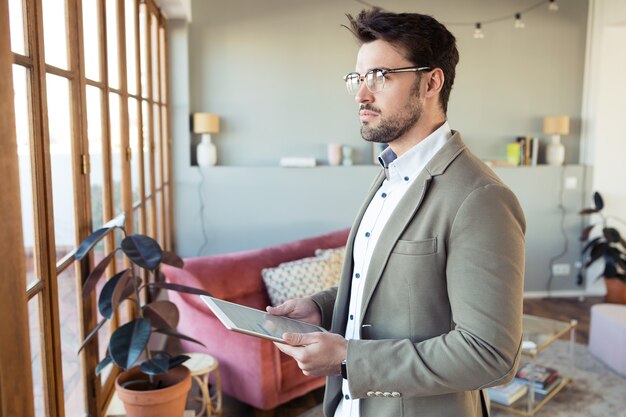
{"points": [[204, 124], [555, 126]]}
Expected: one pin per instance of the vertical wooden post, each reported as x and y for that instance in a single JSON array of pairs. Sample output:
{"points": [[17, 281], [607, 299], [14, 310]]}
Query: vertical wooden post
{"points": [[16, 380]]}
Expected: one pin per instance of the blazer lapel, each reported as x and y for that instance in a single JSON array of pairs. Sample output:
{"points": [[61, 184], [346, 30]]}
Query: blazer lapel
{"points": [[403, 214]]}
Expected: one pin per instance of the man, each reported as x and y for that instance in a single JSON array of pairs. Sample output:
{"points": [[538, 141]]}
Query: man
{"points": [[428, 311]]}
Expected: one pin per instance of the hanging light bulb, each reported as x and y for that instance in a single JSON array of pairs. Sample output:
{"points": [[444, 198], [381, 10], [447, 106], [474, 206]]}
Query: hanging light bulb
{"points": [[519, 24], [553, 6], [478, 32]]}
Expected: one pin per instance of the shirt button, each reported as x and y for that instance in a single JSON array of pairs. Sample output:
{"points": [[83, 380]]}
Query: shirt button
{"points": [[383, 195], [347, 397], [367, 234], [357, 275], [351, 317], [406, 178]]}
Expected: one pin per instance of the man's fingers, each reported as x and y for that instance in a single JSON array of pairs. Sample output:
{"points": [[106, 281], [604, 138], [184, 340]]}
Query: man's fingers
{"points": [[280, 310], [300, 339]]}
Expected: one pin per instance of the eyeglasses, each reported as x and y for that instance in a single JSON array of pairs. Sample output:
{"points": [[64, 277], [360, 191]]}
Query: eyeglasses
{"points": [[375, 78]]}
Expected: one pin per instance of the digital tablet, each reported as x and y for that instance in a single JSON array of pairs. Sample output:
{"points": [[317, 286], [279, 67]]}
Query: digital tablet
{"points": [[255, 322]]}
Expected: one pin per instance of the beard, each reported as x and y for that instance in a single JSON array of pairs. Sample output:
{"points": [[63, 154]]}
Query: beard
{"points": [[393, 127]]}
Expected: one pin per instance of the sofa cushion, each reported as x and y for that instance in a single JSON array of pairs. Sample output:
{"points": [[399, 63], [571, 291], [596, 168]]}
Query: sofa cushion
{"points": [[303, 277]]}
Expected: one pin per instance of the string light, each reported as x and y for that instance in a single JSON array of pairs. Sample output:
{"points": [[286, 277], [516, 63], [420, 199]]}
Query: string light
{"points": [[553, 6], [478, 26], [478, 32]]}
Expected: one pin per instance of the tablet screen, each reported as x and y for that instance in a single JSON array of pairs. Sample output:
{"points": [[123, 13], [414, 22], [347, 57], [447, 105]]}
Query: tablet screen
{"points": [[256, 322]]}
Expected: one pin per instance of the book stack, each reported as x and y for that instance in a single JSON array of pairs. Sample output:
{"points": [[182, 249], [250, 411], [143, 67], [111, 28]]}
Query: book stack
{"points": [[529, 150], [546, 379], [509, 393]]}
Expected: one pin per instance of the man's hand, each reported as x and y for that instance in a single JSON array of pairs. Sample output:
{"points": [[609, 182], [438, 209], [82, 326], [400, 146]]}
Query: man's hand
{"points": [[317, 354], [303, 309]]}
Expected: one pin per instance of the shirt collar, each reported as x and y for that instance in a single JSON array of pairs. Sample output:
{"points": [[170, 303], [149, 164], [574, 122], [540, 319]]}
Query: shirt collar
{"points": [[413, 161]]}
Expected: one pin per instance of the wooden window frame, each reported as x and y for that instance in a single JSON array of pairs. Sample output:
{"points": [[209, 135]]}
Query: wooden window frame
{"points": [[48, 266]]}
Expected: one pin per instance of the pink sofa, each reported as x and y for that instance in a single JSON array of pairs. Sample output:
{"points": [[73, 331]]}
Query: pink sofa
{"points": [[253, 370]]}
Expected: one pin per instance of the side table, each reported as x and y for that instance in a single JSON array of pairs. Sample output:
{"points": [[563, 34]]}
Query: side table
{"points": [[201, 366], [540, 333]]}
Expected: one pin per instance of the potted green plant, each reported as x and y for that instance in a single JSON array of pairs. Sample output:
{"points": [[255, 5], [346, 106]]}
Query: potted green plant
{"points": [[610, 247], [152, 383]]}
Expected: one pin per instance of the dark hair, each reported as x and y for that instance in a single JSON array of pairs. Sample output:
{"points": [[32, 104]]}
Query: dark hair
{"points": [[426, 41]]}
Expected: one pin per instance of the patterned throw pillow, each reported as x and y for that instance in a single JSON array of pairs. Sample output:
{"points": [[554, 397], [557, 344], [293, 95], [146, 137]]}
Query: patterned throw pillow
{"points": [[303, 277]]}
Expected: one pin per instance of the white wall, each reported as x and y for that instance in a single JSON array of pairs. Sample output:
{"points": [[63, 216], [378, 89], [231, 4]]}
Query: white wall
{"points": [[605, 107], [272, 70]]}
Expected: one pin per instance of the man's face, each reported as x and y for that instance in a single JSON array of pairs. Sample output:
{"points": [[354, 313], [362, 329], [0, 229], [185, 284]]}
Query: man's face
{"points": [[391, 113]]}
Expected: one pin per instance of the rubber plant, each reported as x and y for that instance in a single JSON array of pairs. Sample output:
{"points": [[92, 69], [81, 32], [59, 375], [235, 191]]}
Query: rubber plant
{"points": [[609, 246], [128, 344]]}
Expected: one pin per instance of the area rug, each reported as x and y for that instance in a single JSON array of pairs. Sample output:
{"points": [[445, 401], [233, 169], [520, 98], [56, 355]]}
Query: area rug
{"points": [[595, 390]]}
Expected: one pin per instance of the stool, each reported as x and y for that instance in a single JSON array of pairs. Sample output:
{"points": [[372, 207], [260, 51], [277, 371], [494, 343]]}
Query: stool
{"points": [[201, 365], [607, 335]]}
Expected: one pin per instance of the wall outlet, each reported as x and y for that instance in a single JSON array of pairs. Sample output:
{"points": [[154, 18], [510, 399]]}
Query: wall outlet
{"points": [[560, 269]]}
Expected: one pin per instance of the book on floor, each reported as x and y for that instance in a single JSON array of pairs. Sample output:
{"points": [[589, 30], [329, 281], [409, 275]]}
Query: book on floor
{"points": [[509, 393], [542, 375]]}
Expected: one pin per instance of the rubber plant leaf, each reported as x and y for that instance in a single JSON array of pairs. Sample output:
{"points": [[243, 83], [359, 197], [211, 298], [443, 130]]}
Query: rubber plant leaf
{"points": [[597, 200], [128, 342], [610, 271], [124, 288], [158, 364], [170, 258], [143, 251], [91, 241], [105, 305], [103, 363], [177, 287], [590, 244], [92, 334], [177, 360], [611, 234], [584, 235], [96, 273], [174, 333], [162, 314]]}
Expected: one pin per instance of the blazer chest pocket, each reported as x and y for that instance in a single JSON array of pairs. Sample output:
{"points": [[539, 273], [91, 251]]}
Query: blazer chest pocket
{"points": [[416, 247]]}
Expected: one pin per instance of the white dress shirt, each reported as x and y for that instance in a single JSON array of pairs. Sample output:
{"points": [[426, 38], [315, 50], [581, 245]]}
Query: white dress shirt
{"points": [[401, 172]]}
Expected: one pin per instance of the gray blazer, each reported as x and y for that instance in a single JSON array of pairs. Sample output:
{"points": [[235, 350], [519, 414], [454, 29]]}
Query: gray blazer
{"points": [[442, 304]]}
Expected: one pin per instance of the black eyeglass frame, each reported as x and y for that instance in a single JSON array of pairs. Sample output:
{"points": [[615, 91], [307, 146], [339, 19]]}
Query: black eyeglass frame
{"points": [[362, 77]]}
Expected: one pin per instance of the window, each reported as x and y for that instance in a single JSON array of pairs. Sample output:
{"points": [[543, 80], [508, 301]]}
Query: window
{"points": [[92, 140]]}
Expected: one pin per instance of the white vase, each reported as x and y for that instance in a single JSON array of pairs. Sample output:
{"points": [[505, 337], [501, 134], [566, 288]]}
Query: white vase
{"points": [[555, 151], [334, 154], [206, 152]]}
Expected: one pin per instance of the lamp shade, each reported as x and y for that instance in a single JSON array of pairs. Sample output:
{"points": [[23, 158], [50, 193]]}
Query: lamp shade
{"points": [[206, 123], [556, 125]]}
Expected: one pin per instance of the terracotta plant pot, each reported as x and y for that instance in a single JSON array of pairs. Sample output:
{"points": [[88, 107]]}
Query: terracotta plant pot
{"points": [[165, 402], [615, 291]]}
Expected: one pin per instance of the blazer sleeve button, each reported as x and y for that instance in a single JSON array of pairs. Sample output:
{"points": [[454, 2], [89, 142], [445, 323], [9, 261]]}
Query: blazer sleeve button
{"points": [[387, 394], [371, 394], [379, 393], [396, 394]]}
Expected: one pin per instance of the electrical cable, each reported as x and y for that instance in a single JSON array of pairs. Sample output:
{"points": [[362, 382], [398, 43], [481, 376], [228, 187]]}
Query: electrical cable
{"points": [[202, 224], [561, 207]]}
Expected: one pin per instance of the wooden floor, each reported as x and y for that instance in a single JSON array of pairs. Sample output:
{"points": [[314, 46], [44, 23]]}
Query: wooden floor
{"points": [[563, 309]]}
